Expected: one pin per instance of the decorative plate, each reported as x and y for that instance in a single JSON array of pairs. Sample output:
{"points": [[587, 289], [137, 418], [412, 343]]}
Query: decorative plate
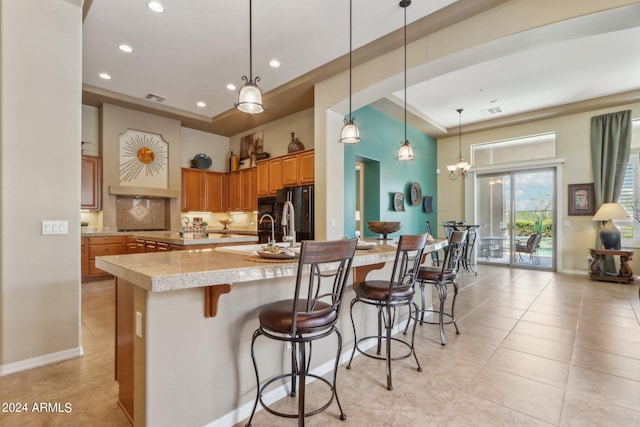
{"points": [[428, 204], [398, 201], [415, 194], [201, 161], [277, 255]]}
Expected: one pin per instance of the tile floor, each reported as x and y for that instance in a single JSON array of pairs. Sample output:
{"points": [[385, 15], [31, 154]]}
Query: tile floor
{"points": [[535, 349]]}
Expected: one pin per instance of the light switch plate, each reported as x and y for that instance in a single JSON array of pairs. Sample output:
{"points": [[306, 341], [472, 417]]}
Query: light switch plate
{"points": [[55, 227]]}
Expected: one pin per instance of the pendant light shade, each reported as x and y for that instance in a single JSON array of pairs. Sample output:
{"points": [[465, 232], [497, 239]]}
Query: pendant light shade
{"points": [[350, 133], [405, 152], [250, 96]]}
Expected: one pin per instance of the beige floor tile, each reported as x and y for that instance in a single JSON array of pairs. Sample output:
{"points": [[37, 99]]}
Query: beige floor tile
{"points": [[553, 333], [473, 411], [542, 347], [608, 363], [492, 321], [609, 388], [496, 310], [582, 411], [608, 344], [535, 368], [560, 321], [530, 397], [481, 333], [556, 309]]}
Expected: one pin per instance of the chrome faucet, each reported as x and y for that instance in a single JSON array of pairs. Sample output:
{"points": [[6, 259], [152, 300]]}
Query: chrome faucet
{"points": [[289, 223], [273, 232]]}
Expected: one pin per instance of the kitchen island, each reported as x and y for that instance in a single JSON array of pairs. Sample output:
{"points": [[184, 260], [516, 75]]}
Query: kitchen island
{"points": [[184, 322]]}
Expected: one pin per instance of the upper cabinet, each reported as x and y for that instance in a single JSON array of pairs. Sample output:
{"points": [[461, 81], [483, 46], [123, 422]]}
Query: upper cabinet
{"points": [[202, 191], [91, 196], [285, 171]]}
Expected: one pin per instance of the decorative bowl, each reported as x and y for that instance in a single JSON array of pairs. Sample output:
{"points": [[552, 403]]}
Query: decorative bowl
{"points": [[384, 227], [225, 222]]}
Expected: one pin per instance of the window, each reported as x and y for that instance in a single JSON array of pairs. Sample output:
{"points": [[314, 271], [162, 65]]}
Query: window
{"points": [[630, 194]]}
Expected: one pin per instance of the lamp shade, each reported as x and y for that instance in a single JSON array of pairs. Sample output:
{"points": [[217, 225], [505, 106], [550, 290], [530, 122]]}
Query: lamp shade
{"points": [[350, 133], [609, 233], [610, 211]]}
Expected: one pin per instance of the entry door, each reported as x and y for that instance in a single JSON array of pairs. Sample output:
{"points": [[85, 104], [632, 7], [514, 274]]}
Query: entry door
{"points": [[517, 211]]}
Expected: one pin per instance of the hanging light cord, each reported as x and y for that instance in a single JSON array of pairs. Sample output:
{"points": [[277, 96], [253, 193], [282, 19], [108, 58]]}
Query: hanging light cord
{"points": [[250, 42], [350, 50], [460, 133], [407, 3]]}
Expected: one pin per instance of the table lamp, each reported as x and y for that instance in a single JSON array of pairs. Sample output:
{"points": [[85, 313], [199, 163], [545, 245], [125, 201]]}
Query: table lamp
{"points": [[609, 233]]}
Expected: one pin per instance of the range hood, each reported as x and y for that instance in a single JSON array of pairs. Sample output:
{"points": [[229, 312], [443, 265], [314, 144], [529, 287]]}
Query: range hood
{"points": [[143, 192]]}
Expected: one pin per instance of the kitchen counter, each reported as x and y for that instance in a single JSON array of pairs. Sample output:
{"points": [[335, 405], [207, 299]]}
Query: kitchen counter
{"points": [[175, 238], [172, 355]]}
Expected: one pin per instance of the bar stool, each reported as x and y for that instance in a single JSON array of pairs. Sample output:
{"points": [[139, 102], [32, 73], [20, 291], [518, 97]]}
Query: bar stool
{"points": [[311, 314], [441, 278], [386, 297], [434, 255]]}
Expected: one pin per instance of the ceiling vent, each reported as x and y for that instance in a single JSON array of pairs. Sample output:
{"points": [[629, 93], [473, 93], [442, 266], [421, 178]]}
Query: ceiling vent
{"points": [[154, 98], [491, 111]]}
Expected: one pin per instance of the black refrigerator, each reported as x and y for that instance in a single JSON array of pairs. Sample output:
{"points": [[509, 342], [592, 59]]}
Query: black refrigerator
{"points": [[302, 199]]}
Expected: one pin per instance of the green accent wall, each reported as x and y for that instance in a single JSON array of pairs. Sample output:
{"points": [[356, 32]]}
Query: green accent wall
{"points": [[383, 175]]}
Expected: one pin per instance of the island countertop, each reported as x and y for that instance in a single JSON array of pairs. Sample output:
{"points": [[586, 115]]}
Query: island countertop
{"points": [[167, 271]]}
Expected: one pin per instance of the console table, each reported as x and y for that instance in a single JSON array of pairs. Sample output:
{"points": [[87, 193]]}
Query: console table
{"points": [[625, 275]]}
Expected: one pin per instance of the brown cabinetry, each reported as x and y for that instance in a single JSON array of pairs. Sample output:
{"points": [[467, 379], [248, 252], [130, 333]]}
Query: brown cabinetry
{"points": [[202, 191], [84, 257], [262, 179], [91, 183], [240, 190], [102, 246], [285, 171]]}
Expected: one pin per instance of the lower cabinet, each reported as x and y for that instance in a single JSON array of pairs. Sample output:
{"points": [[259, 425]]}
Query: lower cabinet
{"points": [[91, 247]]}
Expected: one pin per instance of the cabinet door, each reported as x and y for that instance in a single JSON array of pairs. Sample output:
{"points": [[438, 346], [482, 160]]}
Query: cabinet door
{"points": [[275, 175], [91, 194], [193, 187], [232, 188], [215, 192], [305, 167], [248, 193], [262, 179], [289, 170]]}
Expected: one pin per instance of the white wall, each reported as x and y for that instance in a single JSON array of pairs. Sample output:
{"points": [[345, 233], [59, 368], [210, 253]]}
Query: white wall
{"points": [[198, 142], [40, 112]]}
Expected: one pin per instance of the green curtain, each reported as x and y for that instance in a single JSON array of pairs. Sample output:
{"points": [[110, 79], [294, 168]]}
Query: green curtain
{"points": [[610, 142]]}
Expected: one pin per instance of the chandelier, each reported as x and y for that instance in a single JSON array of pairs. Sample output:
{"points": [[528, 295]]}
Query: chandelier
{"points": [[350, 133], [461, 167], [405, 152]]}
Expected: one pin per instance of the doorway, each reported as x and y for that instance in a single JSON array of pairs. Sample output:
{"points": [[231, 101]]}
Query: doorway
{"points": [[517, 211]]}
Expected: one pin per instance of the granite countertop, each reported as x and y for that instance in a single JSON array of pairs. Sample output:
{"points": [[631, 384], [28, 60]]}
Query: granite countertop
{"points": [[175, 270], [175, 238]]}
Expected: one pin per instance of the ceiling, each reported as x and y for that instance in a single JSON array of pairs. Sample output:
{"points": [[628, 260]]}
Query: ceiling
{"points": [[190, 52]]}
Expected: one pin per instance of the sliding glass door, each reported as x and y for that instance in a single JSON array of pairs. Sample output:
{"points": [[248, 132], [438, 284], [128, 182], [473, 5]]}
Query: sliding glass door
{"points": [[516, 210]]}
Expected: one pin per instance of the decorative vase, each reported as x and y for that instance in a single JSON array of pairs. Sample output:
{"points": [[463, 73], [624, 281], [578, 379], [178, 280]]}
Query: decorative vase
{"points": [[295, 144]]}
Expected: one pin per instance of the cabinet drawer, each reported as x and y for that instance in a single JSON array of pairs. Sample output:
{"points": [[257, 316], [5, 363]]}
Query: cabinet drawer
{"points": [[100, 250], [106, 240], [161, 247]]}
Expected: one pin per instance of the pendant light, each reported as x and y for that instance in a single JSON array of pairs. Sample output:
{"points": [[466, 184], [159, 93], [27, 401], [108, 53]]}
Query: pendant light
{"points": [[350, 133], [405, 152], [250, 96], [461, 167]]}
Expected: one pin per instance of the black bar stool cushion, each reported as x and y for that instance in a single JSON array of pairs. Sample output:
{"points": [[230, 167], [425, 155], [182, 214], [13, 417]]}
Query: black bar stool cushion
{"points": [[277, 316], [379, 290]]}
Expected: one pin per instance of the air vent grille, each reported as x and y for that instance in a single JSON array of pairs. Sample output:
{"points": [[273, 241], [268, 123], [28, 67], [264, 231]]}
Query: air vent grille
{"points": [[154, 98], [491, 111]]}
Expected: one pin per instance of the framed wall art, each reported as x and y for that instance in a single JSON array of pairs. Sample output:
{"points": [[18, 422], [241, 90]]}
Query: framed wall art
{"points": [[143, 160], [250, 146], [582, 199], [398, 202]]}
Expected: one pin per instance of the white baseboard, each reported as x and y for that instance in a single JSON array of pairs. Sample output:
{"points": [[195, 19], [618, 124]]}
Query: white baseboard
{"points": [[39, 361]]}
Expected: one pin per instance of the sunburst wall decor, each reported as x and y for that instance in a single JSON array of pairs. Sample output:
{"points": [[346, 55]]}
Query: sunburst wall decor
{"points": [[143, 160]]}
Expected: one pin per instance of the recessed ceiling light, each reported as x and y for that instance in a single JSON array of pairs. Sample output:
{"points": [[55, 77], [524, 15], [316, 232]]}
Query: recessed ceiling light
{"points": [[231, 86], [105, 76], [125, 48], [274, 63], [201, 104], [156, 6]]}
